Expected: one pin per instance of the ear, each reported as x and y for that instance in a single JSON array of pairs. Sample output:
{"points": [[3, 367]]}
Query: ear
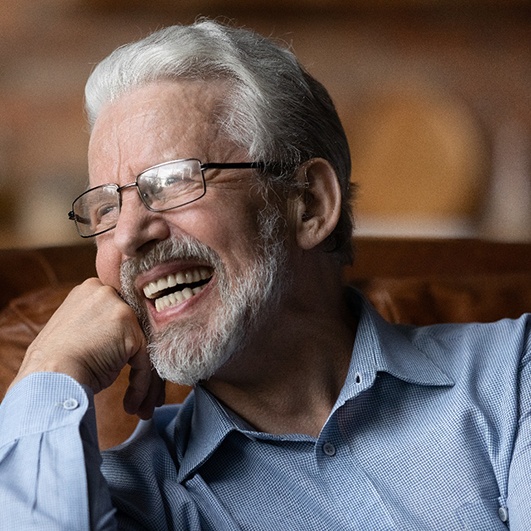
{"points": [[318, 207]]}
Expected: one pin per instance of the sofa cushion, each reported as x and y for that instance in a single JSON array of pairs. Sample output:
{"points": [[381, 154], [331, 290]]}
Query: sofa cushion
{"points": [[424, 300]]}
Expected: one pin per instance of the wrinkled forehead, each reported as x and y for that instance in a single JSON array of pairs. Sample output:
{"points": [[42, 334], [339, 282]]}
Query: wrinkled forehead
{"points": [[155, 123]]}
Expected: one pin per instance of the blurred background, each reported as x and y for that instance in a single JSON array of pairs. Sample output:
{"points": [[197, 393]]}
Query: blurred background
{"points": [[435, 96]]}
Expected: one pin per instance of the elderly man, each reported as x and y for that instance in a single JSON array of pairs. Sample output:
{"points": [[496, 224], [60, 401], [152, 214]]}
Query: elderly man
{"points": [[219, 202]]}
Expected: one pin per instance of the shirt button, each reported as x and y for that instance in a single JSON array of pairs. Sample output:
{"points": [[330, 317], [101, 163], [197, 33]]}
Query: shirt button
{"points": [[70, 403], [329, 449], [503, 513]]}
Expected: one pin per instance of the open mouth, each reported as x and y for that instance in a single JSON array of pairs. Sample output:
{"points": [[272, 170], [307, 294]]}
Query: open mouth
{"points": [[178, 287]]}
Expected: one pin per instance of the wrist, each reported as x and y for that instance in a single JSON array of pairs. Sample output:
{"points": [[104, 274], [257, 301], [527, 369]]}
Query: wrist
{"points": [[37, 361]]}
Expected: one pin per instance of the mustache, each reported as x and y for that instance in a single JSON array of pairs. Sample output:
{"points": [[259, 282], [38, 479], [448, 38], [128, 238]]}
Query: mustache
{"points": [[184, 248]]}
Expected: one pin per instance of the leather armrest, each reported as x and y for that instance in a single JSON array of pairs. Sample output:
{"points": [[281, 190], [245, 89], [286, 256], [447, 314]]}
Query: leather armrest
{"points": [[20, 322]]}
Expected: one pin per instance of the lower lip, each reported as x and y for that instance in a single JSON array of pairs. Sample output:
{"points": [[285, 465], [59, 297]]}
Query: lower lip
{"points": [[159, 319]]}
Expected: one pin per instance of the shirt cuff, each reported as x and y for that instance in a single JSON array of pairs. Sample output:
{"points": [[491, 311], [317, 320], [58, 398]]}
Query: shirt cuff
{"points": [[42, 402]]}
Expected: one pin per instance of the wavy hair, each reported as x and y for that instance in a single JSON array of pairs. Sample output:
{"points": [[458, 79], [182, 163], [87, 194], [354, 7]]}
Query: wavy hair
{"points": [[274, 108]]}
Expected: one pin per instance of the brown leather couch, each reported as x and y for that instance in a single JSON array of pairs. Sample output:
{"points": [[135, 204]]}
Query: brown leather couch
{"points": [[409, 281]]}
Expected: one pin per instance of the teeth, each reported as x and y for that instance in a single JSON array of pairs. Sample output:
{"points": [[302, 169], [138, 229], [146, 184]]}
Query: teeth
{"points": [[176, 298], [182, 277], [187, 277]]}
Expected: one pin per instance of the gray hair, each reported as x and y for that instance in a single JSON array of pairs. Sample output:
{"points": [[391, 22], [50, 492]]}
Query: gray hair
{"points": [[274, 109]]}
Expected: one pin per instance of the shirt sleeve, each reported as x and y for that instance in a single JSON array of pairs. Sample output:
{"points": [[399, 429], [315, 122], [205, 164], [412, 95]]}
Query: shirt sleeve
{"points": [[519, 501], [49, 459]]}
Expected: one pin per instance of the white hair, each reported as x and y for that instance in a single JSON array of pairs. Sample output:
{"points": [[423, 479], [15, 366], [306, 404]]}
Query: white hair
{"points": [[274, 109]]}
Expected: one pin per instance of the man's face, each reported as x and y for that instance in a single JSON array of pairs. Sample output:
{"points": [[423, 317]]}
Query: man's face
{"points": [[223, 251]]}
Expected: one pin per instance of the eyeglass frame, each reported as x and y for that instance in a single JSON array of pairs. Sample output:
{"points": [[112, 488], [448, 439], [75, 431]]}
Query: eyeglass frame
{"points": [[202, 166]]}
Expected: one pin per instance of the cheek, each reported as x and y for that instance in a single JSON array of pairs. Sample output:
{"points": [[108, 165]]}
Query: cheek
{"points": [[228, 225], [108, 266], [235, 234]]}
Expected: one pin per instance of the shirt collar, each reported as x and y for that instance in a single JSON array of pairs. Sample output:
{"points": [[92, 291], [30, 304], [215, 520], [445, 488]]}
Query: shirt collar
{"points": [[208, 424], [379, 346], [386, 347]]}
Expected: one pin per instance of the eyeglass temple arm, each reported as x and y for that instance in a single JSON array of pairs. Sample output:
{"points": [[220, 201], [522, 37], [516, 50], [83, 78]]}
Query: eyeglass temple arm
{"points": [[232, 165]]}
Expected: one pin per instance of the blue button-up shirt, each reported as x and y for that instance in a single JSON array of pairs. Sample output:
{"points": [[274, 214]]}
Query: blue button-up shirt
{"points": [[431, 431]]}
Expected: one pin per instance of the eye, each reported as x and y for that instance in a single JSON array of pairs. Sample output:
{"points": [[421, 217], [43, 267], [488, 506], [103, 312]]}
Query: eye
{"points": [[170, 180], [171, 184], [105, 210], [157, 186], [104, 215]]}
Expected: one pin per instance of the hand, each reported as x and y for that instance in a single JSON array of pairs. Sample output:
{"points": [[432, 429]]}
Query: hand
{"points": [[91, 337]]}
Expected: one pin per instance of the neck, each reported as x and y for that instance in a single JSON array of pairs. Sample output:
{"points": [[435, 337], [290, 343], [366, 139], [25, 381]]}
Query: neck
{"points": [[289, 377]]}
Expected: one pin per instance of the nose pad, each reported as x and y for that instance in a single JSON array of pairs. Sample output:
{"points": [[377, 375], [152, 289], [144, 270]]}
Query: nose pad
{"points": [[138, 227]]}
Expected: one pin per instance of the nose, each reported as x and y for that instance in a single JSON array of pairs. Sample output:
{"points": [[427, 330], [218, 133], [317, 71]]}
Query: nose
{"points": [[138, 228]]}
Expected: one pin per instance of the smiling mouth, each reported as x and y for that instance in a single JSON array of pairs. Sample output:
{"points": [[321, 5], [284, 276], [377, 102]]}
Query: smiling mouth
{"points": [[173, 289]]}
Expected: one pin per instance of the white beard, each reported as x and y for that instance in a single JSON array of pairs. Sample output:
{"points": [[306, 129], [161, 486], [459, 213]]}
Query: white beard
{"points": [[188, 352]]}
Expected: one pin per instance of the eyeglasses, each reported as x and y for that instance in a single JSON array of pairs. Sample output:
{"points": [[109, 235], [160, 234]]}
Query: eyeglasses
{"points": [[162, 187]]}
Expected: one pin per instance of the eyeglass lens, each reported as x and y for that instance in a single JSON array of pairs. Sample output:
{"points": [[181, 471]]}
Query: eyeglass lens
{"points": [[171, 184], [162, 187]]}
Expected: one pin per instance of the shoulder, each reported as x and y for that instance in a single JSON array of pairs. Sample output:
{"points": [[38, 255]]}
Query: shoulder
{"points": [[483, 351], [501, 337]]}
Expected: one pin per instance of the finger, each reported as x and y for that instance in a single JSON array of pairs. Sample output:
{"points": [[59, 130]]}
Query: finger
{"points": [[140, 377], [154, 398], [161, 398]]}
